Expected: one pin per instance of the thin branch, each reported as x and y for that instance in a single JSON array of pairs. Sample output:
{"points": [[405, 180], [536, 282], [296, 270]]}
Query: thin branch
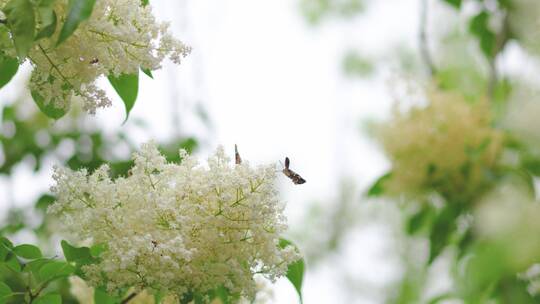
{"points": [[501, 39], [129, 298], [423, 38]]}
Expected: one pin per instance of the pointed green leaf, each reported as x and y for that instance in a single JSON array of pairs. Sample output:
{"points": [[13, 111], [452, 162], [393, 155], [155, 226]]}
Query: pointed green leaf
{"points": [[295, 271], [79, 11], [51, 298], [55, 269], [27, 251], [22, 23], [48, 108], [148, 72], [9, 67], [127, 87], [377, 189], [76, 254]]}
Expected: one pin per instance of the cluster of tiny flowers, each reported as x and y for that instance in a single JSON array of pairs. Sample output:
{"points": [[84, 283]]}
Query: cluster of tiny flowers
{"points": [[177, 227], [444, 146], [85, 294], [120, 37]]}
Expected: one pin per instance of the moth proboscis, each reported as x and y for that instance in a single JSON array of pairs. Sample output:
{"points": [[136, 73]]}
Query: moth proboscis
{"points": [[295, 177]]}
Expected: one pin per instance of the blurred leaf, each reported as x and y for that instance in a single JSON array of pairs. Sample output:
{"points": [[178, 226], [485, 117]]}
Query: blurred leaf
{"points": [[44, 202], [418, 220], [317, 10], [51, 298], [377, 189], [355, 65], [47, 18], [27, 251], [13, 263], [532, 165], [102, 297], [444, 225], [145, 2], [479, 26], [295, 271], [79, 11], [127, 87], [22, 23], [9, 67], [454, 3], [98, 249], [48, 30], [47, 108], [4, 290]]}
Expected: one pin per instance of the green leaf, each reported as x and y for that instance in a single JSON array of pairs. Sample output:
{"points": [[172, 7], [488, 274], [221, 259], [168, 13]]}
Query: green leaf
{"points": [[44, 202], [9, 67], [47, 108], [27, 251], [127, 87], [48, 29], [454, 3], [35, 265], [51, 298], [79, 11], [148, 72], [479, 26], [47, 18], [443, 226], [98, 249], [13, 263], [5, 248], [102, 297], [76, 254], [22, 23], [145, 2], [4, 290], [55, 269], [532, 165], [419, 219], [378, 187], [295, 271]]}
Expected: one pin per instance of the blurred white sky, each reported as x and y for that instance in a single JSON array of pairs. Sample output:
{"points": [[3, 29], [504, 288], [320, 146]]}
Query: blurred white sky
{"points": [[273, 85]]}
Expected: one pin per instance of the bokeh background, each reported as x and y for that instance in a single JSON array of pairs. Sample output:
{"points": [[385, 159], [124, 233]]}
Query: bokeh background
{"points": [[305, 79]]}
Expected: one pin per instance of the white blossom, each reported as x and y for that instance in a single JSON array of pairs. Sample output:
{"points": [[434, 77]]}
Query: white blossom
{"points": [[120, 37], [177, 227], [444, 146]]}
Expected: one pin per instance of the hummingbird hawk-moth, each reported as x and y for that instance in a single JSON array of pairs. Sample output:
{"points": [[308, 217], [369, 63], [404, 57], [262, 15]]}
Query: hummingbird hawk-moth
{"points": [[237, 158], [295, 177]]}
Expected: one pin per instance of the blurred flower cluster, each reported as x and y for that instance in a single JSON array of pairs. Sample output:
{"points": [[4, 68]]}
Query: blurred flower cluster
{"points": [[177, 228], [445, 146]]}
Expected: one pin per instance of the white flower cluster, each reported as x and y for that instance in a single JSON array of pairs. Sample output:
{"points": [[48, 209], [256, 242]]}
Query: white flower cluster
{"points": [[120, 37], [177, 228], [444, 146]]}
